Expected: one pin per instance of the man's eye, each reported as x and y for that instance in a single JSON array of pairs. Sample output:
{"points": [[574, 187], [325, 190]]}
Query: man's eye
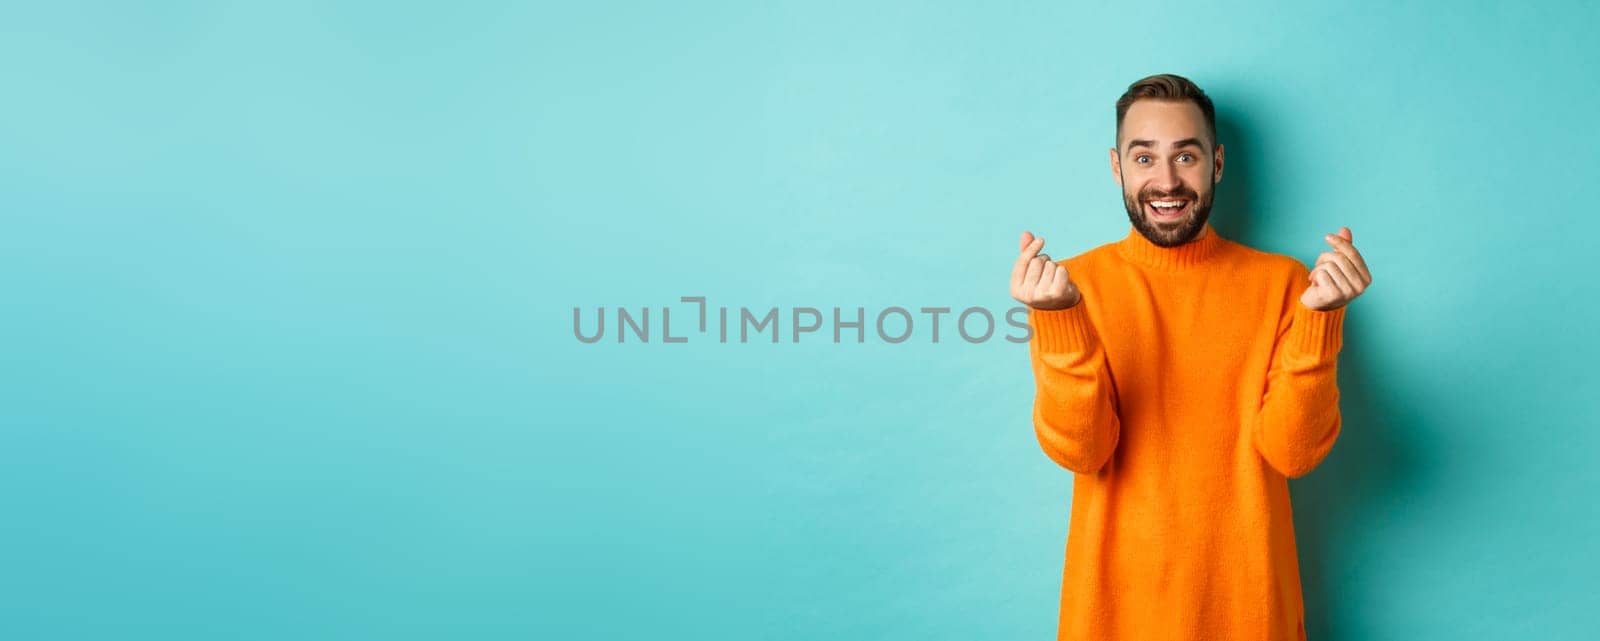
{"points": [[1141, 159], [1185, 157]]}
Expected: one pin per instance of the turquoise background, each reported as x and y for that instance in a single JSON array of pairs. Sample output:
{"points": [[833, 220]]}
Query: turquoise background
{"points": [[288, 293]]}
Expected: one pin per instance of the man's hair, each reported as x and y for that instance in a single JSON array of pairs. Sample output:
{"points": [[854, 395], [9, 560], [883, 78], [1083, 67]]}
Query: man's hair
{"points": [[1171, 87]]}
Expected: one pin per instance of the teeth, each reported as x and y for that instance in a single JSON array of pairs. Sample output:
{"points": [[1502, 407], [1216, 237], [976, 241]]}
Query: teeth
{"points": [[1166, 205]]}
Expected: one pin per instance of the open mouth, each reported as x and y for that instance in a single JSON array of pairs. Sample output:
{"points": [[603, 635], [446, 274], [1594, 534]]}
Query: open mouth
{"points": [[1166, 210]]}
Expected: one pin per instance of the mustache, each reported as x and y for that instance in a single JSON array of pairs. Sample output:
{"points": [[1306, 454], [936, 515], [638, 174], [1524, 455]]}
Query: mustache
{"points": [[1180, 192]]}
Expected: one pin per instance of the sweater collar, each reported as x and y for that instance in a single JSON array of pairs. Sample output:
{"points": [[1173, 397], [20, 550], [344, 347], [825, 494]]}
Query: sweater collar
{"points": [[1138, 249]]}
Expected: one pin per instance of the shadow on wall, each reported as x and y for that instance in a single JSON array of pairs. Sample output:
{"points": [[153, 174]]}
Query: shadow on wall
{"points": [[1339, 505], [1232, 210]]}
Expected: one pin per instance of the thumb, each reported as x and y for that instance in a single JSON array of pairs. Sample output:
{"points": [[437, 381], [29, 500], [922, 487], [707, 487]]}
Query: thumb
{"points": [[1344, 232], [1027, 238]]}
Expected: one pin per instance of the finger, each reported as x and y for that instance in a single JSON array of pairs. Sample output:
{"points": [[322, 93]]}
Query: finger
{"points": [[1028, 252], [1047, 279], [1030, 278], [1027, 237], [1046, 269], [1320, 279], [1351, 275], [1345, 247], [1058, 279], [1058, 273], [1339, 283], [1063, 288]]}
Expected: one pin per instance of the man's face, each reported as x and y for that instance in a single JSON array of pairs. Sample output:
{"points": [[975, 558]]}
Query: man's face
{"points": [[1167, 171]]}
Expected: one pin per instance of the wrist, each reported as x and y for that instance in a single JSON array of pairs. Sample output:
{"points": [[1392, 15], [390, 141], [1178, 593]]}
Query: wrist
{"points": [[1056, 308]]}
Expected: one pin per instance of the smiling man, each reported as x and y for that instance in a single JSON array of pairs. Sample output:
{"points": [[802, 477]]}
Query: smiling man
{"points": [[1183, 378]]}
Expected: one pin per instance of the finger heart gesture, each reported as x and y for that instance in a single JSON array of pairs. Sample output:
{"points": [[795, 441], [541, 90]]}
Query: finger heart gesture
{"points": [[1038, 282], [1338, 277]]}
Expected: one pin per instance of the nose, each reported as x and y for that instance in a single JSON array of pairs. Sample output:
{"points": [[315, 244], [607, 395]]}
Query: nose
{"points": [[1167, 178]]}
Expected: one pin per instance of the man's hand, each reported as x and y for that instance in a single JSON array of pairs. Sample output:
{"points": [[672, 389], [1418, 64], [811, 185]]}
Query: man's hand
{"points": [[1038, 282], [1339, 275]]}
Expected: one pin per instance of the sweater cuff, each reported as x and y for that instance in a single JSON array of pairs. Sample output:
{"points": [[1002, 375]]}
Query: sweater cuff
{"points": [[1314, 333], [1062, 330]]}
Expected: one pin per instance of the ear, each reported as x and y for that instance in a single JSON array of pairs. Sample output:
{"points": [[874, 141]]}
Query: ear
{"points": [[1216, 166], [1116, 166]]}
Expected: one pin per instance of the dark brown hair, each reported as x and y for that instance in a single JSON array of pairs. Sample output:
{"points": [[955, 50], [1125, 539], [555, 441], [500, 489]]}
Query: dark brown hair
{"points": [[1172, 87]]}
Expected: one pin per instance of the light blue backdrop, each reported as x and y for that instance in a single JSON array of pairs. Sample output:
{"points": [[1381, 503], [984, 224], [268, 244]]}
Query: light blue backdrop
{"points": [[288, 294]]}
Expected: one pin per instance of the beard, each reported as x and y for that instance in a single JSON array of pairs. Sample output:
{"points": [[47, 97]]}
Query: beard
{"points": [[1169, 233]]}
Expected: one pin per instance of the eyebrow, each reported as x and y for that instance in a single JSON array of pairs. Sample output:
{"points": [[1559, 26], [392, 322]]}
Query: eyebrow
{"points": [[1186, 142]]}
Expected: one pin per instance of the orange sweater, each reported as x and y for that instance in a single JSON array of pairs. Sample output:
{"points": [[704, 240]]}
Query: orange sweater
{"points": [[1183, 391]]}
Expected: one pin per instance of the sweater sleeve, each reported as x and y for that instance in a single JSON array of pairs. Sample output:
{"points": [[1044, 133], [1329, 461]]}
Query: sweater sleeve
{"points": [[1299, 417], [1074, 406]]}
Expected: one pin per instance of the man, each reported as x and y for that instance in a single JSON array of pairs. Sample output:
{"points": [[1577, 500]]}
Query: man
{"points": [[1183, 378]]}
